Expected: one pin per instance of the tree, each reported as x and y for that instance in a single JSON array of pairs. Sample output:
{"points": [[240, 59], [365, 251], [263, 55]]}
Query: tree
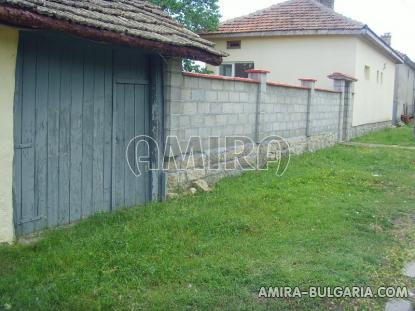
{"points": [[195, 15], [191, 66]]}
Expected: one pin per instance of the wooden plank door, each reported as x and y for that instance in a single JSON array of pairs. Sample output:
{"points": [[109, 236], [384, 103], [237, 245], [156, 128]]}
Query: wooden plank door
{"points": [[131, 120], [77, 105]]}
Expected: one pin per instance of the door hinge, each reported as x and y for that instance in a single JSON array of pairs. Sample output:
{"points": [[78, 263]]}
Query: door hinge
{"points": [[23, 146], [31, 220]]}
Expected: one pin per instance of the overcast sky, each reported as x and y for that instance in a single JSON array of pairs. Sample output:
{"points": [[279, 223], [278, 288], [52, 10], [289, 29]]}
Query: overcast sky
{"points": [[395, 16]]}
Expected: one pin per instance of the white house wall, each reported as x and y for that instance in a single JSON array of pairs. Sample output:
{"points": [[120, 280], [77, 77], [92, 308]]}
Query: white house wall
{"points": [[291, 58], [8, 53], [373, 97]]}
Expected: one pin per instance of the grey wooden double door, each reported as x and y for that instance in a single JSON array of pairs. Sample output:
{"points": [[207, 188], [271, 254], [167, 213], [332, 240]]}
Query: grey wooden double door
{"points": [[77, 105]]}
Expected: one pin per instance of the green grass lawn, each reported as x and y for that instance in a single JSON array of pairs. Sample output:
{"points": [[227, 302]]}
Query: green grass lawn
{"points": [[338, 217], [403, 136]]}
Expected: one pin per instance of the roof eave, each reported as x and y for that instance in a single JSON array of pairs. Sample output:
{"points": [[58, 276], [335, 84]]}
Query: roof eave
{"points": [[409, 62], [314, 32], [23, 18], [375, 39]]}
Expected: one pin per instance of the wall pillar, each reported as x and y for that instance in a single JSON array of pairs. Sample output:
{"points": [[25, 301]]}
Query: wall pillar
{"points": [[340, 86], [344, 83], [348, 110], [173, 85], [261, 76], [311, 85], [8, 52]]}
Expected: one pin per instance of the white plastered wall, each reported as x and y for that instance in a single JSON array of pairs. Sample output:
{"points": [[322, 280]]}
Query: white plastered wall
{"points": [[374, 93], [8, 52], [292, 57]]}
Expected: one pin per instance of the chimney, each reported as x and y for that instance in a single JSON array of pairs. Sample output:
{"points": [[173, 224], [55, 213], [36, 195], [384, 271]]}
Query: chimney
{"points": [[327, 3], [387, 37]]}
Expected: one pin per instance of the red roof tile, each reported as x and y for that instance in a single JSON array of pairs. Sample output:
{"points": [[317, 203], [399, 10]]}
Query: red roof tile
{"points": [[292, 15]]}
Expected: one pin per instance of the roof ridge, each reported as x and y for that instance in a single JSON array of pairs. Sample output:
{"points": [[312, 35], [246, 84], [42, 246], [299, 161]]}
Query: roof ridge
{"points": [[330, 10], [255, 12], [291, 15]]}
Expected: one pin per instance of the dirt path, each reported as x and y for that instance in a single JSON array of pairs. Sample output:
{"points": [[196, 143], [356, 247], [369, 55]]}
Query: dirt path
{"points": [[378, 146]]}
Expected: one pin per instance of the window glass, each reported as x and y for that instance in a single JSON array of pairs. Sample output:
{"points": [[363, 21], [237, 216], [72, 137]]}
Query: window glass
{"points": [[225, 70], [240, 69], [233, 44]]}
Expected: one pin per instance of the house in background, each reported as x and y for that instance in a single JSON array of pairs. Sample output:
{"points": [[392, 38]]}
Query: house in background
{"points": [[404, 99], [307, 38], [404, 104], [78, 81]]}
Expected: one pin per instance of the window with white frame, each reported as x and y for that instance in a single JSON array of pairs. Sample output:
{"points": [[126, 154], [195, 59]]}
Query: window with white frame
{"points": [[235, 44], [236, 69], [226, 70]]}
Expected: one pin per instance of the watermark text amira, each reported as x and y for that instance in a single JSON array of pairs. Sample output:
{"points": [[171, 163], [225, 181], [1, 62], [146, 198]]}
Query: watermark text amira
{"points": [[228, 153]]}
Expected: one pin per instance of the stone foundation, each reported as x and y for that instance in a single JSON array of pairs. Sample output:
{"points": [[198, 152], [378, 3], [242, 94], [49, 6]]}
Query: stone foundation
{"points": [[369, 128], [212, 166]]}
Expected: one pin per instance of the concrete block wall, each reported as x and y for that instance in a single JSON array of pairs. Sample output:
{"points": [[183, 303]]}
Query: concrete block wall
{"points": [[205, 107], [215, 106], [325, 112], [284, 112], [199, 106]]}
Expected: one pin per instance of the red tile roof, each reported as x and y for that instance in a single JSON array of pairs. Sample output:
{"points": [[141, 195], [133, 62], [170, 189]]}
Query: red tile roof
{"points": [[292, 15]]}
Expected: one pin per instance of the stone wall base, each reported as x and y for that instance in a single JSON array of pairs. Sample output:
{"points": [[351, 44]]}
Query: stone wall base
{"points": [[369, 128], [181, 179]]}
